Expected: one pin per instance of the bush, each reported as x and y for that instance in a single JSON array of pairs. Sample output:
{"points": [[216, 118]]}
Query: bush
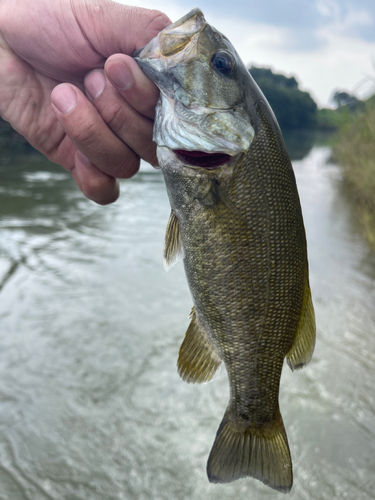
{"points": [[294, 109], [355, 151]]}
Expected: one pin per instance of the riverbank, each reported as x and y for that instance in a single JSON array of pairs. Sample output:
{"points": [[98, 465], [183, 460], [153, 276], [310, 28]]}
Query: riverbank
{"points": [[354, 150]]}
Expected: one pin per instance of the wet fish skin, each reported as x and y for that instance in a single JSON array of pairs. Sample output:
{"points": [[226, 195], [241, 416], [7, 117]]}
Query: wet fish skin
{"points": [[240, 230]]}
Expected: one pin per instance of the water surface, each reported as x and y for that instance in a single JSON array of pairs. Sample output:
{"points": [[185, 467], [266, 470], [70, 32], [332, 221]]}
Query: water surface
{"points": [[91, 405]]}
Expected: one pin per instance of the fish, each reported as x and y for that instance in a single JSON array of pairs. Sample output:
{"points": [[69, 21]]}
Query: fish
{"points": [[236, 222]]}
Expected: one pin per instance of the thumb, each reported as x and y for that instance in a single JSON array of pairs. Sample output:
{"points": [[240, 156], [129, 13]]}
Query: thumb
{"points": [[112, 27]]}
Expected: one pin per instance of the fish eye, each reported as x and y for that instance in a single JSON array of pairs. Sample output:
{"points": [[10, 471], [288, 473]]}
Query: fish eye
{"points": [[222, 62]]}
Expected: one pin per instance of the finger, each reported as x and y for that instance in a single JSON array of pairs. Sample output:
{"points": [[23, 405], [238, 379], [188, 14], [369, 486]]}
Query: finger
{"points": [[133, 85], [94, 184], [131, 127], [130, 27], [90, 134]]}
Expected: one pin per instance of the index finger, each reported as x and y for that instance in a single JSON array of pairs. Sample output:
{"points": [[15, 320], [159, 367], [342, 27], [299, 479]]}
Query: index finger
{"points": [[133, 85]]}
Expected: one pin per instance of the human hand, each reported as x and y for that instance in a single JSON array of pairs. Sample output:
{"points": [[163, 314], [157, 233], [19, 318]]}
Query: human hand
{"points": [[99, 137]]}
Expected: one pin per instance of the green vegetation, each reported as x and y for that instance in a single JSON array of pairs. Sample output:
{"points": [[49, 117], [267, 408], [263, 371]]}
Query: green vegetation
{"points": [[353, 122], [353, 141], [294, 109], [332, 119], [354, 150]]}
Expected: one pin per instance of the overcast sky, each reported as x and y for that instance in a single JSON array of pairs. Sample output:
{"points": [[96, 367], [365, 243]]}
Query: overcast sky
{"points": [[325, 44]]}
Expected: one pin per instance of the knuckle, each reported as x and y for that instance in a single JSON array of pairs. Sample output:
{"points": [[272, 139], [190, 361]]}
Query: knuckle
{"points": [[131, 167], [86, 135], [127, 165], [113, 116], [150, 154]]}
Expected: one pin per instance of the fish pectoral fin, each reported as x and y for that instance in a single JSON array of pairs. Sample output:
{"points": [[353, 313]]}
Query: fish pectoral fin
{"points": [[255, 451], [173, 248], [198, 360], [221, 197], [304, 342]]}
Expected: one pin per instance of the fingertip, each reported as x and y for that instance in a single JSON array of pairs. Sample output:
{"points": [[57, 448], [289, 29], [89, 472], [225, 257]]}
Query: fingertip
{"points": [[132, 84], [110, 196], [132, 169], [119, 72], [161, 21], [95, 184], [95, 82], [157, 22], [64, 98]]}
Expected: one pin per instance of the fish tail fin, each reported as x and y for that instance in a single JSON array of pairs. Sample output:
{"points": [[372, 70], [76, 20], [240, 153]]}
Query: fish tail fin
{"points": [[259, 452]]}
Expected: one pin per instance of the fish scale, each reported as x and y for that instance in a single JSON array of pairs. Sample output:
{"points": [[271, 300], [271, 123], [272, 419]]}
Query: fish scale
{"points": [[238, 225]]}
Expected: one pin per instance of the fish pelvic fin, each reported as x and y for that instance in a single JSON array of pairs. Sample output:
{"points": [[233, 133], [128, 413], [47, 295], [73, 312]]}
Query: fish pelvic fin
{"points": [[255, 451], [173, 249], [304, 342], [198, 360]]}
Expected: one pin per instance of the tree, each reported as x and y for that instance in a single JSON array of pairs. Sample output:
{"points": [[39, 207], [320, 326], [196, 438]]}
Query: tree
{"points": [[294, 109], [342, 98]]}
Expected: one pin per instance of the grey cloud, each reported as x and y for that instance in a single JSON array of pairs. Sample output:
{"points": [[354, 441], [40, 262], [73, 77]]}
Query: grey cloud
{"points": [[302, 18]]}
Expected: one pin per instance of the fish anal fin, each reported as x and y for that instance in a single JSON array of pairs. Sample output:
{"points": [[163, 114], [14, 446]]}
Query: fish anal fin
{"points": [[304, 342], [262, 453], [198, 360], [173, 249]]}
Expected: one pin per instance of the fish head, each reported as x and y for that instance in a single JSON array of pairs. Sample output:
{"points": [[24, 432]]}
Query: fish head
{"points": [[203, 114]]}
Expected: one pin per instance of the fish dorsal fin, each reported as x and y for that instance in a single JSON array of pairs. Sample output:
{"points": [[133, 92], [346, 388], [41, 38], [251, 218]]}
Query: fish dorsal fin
{"points": [[173, 249], [304, 343], [198, 360]]}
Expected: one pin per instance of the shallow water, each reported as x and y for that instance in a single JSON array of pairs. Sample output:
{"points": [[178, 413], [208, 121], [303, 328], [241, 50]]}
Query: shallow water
{"points": [[91, 405]]}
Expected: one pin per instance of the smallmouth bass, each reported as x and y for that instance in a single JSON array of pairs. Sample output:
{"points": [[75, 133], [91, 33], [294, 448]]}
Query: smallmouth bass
{"points": [[236, 220]]}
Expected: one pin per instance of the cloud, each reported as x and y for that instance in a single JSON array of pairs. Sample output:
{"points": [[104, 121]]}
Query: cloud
{"points": [[326, 44], [347, 20]]}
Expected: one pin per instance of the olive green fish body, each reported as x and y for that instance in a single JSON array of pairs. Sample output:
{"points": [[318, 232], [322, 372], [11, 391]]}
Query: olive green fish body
{"points": [[239, 227], [247, 277]]}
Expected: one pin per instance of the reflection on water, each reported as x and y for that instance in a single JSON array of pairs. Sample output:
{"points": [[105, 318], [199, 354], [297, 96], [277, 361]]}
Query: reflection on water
{"points": [[91, 405], [299, 142]]}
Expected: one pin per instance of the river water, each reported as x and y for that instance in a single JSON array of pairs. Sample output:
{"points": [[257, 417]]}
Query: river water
{"points": [[91, 405]]}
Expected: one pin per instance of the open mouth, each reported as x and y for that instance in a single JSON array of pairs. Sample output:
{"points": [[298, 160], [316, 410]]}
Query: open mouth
{"points": [[201, 159]]}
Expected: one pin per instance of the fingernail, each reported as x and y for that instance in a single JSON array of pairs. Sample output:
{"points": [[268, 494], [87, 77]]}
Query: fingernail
{"points": [[64, 98], [120, 75], [95, 83]]}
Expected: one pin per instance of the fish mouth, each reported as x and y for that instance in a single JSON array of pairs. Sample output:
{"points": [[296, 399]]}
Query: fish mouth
{"points": [[202, 159]]}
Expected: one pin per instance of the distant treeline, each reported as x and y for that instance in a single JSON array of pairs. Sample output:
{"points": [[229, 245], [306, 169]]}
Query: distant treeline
{"points": [[296, 109], [353, 143]]}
